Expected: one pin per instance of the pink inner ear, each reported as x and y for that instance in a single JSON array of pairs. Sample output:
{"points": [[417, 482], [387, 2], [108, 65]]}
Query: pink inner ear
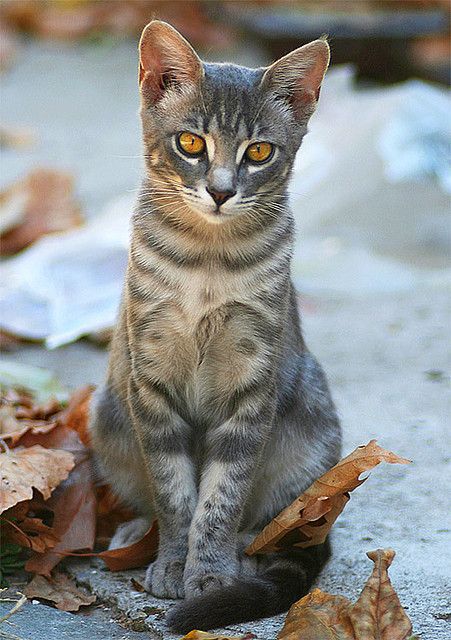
{"points": [[151, 84], [151, 72], [165, 55]]}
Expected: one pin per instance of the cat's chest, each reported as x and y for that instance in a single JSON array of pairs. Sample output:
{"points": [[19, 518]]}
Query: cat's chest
{"points": [[178, 323], [198, 338], [199, 294]]}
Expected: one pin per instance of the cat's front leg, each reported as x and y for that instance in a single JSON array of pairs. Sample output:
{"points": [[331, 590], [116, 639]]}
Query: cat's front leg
{"points": [[164, 440], [234, 451]]}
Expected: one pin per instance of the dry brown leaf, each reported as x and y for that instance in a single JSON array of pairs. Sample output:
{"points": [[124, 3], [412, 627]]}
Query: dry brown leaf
{"points": [[20, 414], [24, 469], [137, 586], [76, 415], [308, 520], [110, 513], [41, 203], [376, 614], [317, 616], [135, 555], [77, 507], [60, 590], [204, 635], [20, 525], [73, 504], [31, 533]]}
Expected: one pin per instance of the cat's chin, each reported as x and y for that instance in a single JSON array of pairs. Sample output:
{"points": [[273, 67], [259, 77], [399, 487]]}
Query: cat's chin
{"points": [[213, 216]]}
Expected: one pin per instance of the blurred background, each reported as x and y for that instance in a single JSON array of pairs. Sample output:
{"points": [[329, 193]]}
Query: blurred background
{"points": [[370, 189], [370, 193]]}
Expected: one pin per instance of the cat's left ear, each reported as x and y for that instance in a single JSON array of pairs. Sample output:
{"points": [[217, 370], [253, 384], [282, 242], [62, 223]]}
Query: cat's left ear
{"points": [[297, 77], [166, 60]]}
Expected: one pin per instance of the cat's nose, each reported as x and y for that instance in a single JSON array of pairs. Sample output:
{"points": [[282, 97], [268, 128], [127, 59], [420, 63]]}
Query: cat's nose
{"points": [[220, 196]]}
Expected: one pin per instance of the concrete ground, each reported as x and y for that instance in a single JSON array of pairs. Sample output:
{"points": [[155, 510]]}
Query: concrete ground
{"points": [[386, 355]]}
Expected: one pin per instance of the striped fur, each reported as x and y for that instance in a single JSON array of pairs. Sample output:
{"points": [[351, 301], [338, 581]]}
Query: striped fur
{"points": [[214, 414]]}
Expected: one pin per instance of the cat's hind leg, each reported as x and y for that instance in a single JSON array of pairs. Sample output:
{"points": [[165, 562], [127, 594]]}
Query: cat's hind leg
{"points": [[118, 462]]}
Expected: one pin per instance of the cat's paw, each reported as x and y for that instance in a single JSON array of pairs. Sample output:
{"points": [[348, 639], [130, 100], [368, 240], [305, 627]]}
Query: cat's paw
{"points": [[129, 532], [164, 579], [196, 585]]}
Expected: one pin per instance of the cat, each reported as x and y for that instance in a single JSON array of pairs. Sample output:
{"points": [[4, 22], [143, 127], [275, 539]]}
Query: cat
{"points": [[214, 415]]}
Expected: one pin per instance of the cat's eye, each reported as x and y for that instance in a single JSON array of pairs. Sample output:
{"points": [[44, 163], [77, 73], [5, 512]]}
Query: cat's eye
{"points": [[190, 143], [259, 152]]}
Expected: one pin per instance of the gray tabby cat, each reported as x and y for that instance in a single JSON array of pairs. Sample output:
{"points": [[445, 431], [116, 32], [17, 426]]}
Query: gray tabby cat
{"points": [[214, 415]]}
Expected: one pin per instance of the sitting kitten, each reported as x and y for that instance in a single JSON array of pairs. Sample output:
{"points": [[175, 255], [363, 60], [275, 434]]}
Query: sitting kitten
{"points": [[214, 415]]}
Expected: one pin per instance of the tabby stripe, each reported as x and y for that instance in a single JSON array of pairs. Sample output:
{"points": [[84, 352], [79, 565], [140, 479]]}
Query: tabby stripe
{"points": [[142, 269], [251, 259], [261, 324], [234, 446], [152, 411], [169, 253], [160, 443], [139, 291]]}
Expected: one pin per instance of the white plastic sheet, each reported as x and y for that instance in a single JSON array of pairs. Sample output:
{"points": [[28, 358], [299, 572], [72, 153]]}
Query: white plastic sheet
{"points": [[68, 285]]}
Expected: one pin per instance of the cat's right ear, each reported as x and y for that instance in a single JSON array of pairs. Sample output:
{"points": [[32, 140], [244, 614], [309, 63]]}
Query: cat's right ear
{"points": [[296, 78], [166, 60]]}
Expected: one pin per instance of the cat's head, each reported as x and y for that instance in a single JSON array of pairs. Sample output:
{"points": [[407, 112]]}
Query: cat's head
{"points": [[220, 139]]}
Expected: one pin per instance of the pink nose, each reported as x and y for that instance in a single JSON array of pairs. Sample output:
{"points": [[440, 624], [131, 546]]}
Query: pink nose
{"points": [[220, 196]]}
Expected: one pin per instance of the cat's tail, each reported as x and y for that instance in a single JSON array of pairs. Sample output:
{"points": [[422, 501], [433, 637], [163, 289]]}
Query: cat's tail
{"points": [[285, 580]]}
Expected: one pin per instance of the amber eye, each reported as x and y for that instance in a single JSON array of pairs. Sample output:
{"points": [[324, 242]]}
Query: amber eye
{"points": [[191, 144], [259, 152]]}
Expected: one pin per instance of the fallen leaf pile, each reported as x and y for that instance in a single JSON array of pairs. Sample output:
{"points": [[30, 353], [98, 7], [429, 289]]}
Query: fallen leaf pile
{"points": [[308, 520], [25, 470], [50, 507], [41, 203], [377, 614]]}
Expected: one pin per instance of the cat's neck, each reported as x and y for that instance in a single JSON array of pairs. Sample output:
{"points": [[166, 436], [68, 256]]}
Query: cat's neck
{"points": [[180, 227]]}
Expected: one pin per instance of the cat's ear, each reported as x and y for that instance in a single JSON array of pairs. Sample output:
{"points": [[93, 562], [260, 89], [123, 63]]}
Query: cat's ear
{"points": [[166, 60], [297, 77]]}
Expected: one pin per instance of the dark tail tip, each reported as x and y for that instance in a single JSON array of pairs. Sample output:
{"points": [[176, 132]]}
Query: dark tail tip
{"points": [[241, 602]]}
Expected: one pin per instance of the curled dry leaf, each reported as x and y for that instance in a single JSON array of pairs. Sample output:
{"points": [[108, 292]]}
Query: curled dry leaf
{"points": [[308, 520], [135, 555], [73, 504], [376, 614], [21, 526], [41, 203], [19, 413], [76, 415], [60, 590], [24, 469], [110, 513]]}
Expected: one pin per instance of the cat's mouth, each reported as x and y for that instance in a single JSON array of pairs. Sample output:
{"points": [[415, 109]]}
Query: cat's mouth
{"points": [[212, 213]]}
